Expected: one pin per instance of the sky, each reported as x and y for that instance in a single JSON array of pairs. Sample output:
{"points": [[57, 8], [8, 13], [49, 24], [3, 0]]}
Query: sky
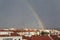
{"points": [[18, 13]]}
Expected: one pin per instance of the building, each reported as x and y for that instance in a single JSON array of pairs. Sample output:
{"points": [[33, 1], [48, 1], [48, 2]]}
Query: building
{"points": [[27, 34], [11, 38], [9, 35]]}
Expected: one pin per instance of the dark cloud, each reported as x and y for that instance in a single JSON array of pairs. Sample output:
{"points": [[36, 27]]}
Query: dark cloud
{"points": [[16, 13], [48, 10]]}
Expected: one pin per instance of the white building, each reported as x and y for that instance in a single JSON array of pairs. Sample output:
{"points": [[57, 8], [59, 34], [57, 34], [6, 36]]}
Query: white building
{"points": [[11, 38], [9, 35]]}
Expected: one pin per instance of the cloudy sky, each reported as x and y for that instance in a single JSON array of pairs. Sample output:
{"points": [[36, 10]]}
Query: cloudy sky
{"points": [[18, 13]]}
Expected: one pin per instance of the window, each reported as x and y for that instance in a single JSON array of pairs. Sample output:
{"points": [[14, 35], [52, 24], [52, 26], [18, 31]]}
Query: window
{"points": [[19, 39]]}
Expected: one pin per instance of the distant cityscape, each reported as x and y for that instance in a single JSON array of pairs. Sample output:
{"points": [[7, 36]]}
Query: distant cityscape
{"points": [[29, 34]]}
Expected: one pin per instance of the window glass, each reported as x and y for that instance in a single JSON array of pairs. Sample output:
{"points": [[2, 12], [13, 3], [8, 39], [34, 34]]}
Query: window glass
{"points": [[19, 39]]}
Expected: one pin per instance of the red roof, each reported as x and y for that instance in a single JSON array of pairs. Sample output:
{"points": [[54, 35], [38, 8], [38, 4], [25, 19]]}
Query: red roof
{"points": [[12, 34], [20, 30], [55, 37], [38, 38]]}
